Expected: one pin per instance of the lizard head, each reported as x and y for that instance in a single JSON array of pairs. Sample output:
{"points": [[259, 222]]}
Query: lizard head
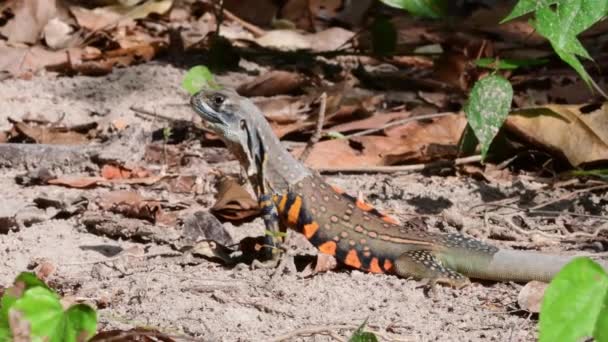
{"points": [[235, 120]]}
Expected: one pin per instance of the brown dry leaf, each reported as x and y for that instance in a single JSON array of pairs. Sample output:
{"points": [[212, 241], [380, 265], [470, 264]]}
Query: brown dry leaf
{"points": [[234, 203], [30, 18], [376, 121], [530, 297], [424, 141], [131, 204], [56, 135], [276, 82], [283, 109], [289, 40], [578, 132], [356, 152], [24, 61], [163, 154], [182, 184], [105, 17], [97, 18], [76, 181], [136, 334], [109, 171]]}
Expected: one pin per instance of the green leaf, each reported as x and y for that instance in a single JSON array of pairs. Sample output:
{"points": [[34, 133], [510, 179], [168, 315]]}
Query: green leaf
{"points": [[360, 335], [600, 173], [487, 108], [275, 234], [384, 36], [508, 64], [23, 282], [47, 321], [576, 303], [81, 322], [526, 6], [335, 135], [424, 8], [197, 78], [42, 310], [562, 25]]}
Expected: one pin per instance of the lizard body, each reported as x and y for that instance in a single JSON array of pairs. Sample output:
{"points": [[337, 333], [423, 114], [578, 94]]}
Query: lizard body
{"points": [[292, 196]]}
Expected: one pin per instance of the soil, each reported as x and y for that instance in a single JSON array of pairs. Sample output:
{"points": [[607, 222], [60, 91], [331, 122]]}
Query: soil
{"points": [[148, 282]]}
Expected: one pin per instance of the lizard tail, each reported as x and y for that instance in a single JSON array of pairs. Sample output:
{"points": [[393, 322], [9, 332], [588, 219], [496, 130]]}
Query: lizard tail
{"points": [[510, 265]]}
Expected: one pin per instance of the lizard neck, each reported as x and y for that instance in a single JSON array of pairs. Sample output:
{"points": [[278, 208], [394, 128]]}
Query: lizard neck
{"points": [[277, 168]]}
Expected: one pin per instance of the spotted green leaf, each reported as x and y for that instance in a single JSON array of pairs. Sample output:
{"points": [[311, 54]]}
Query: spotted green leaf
{"points": [[487, 108]]}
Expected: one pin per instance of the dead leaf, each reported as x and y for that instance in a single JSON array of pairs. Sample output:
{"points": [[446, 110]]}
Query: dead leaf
{"points": [[182, 184], [530, 297], [58, 34], [276, 82], [75, 135], [109, 171], [356, 152], [234, 203], [578, 132], [136, 334], [375, 121], [76, 181], [30, 18], [424, 141], [24, 61], [131, 204], [97, 18]]}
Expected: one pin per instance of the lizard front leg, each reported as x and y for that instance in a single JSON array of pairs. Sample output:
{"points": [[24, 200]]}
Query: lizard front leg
{"points": [[270, 215]]}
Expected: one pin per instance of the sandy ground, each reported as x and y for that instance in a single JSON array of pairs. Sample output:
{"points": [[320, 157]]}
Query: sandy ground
{"points": [[182, 295]]}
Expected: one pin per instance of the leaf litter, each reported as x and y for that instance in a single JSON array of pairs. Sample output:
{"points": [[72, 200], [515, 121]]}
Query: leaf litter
{"points": [[175, 185]]}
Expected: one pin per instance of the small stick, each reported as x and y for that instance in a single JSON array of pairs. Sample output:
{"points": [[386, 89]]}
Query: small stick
{"points": [[568, 196], [398, 123], [319, 131], [399, 168], [152, 114]]}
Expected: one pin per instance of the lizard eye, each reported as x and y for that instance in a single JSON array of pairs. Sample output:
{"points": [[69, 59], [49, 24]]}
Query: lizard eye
{"points": [[243, 124], [218, 99]]}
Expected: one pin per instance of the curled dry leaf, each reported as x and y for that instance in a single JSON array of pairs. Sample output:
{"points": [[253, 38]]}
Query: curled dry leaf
{"points": [[424, 141], [234, 203], [131, 204], [276, 82], [578, 132], [110, 174], [530, 297], [30, 18], [55, 135]]}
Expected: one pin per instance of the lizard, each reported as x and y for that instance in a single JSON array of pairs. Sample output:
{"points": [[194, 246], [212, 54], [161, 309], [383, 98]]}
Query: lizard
{"points": [[357, 235]]}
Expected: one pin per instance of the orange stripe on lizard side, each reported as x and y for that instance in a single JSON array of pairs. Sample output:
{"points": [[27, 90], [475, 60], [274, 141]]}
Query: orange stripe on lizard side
{"points": [[328, 247], [294, 210], [337, 189], [374, 266], [362, 205], [282, 204], [388, 265], [310, 229], [352, 259], [389, 219]]}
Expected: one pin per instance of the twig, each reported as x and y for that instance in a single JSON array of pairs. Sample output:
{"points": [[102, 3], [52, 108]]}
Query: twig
{"points": [[401, 168], [257, 31], [152, 114], [568, 196], [319, 131], [329, 330], [398, 123]]}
